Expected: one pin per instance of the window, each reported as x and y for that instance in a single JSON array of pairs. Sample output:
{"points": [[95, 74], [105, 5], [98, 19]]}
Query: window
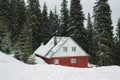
{"points": [[73, 49], [73, 60], [64, 49], [56, 61]]}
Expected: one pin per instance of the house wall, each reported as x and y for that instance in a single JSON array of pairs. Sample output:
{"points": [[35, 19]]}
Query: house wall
{"points": [[81, 61], [69, 44]]}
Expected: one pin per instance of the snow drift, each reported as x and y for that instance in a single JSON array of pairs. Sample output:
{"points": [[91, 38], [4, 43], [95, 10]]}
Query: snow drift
{"points": [[7, 59], [9, 70]]}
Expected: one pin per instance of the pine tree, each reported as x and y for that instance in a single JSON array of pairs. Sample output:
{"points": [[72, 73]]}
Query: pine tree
{"points": [[56, 23], [46, 28], [89, 37], [64, 19], [19, 47], [27, 47], [23, 48], [118, 29], [117, 46], [51, 23], [4, 7], [76, 27], [16, 18], [103, 33], [5, 42], [35, 22]]}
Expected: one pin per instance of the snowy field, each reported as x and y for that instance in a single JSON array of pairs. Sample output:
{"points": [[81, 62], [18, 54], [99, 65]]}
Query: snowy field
{"points": [[11, 69]]}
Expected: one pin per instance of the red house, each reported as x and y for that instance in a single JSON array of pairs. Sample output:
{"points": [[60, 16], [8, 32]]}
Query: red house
{"points": [[63, 51]]}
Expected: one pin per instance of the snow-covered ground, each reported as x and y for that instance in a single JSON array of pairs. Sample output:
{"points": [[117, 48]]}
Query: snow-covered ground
{"points": [[7, 59], [11, 69]]}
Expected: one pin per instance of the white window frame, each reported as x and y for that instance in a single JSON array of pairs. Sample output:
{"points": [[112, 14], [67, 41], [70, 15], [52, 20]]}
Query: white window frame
{"points": [[73, 49], [56, 61], [73, 60], [65, 49]]}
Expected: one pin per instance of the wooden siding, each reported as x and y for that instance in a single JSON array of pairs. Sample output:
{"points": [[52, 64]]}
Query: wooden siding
{"points": [[81, 61]]}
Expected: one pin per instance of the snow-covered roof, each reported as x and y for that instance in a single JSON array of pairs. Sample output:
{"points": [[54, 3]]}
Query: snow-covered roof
{"points": [[54, 45]]}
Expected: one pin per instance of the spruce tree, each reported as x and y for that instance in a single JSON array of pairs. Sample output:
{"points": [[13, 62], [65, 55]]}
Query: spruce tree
{"points": [[35, 22], [51, 23], [4, 7], [56, 23], [16, 18], [118, 29], [19, 47], [76, 27], [23, 48], [64, 19], [46, 28], [27, 46], [117, 46], [5, 42], [89, 37], [103, 33]]}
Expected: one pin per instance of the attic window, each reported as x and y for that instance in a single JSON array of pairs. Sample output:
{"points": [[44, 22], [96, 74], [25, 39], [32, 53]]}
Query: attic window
{"points": [[73, 60], [64, 49], [73, 49]]}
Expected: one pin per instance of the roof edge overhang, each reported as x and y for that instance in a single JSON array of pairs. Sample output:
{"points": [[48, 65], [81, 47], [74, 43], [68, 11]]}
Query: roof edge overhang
{"points": [[43, 57]]}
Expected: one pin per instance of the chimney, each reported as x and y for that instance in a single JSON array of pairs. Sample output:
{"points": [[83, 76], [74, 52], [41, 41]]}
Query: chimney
{"points": [[42, 44], [55, 40]]}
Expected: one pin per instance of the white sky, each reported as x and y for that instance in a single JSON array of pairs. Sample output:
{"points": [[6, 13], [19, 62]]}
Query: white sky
{"points": [[87, 7]]}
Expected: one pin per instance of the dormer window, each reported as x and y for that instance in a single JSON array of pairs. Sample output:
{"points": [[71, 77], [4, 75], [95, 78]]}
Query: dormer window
{"points": [[64, 49], [73, 49]]}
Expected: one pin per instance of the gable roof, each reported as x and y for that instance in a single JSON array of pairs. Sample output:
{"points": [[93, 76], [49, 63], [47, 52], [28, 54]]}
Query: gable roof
{"points": [[50, 49]]}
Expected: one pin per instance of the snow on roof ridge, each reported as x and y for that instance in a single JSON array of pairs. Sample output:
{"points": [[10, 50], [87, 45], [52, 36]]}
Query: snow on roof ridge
{"points": [[57, 47]]}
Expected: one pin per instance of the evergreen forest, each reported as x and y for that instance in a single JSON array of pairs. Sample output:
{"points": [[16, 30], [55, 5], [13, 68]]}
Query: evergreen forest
{"points": [[23, 27]]}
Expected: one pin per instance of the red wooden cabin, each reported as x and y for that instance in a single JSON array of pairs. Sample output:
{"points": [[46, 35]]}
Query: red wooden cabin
{"points": [[63, 51]]}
